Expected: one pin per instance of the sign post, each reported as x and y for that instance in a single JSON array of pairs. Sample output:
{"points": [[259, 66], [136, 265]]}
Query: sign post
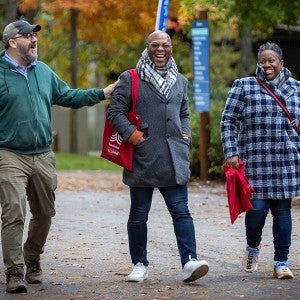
{"points": [[162, 15], [201, 65], [200, 44]]}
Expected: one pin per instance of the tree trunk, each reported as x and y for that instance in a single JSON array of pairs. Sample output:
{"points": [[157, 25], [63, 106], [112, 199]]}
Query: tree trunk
{"points": [[74, 63], [245, 65], [11, 10]]}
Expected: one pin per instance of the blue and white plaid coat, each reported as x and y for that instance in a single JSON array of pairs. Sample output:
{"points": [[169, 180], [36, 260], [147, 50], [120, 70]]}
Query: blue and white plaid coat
{"points": [[254, 127]]}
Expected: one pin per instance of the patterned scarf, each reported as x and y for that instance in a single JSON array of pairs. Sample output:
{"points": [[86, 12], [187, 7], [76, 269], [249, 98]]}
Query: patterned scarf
{"points": [[162, 78], [278, 81]]}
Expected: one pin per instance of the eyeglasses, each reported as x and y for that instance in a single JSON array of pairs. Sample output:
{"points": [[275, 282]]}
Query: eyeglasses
{"points": [[155, 46], [28, 36]]}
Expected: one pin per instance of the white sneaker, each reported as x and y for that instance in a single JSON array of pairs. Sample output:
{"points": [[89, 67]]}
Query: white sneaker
{"points": [[250, 259], [194, 269], [282, 271], [139, 273]]}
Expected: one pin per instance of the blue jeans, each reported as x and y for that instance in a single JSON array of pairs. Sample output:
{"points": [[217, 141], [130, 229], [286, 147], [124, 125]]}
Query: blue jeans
{"points": [[282, 225], [176, 199]]}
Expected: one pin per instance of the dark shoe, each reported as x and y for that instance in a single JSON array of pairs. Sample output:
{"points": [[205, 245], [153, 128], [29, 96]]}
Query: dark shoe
{"points": [[15, 282], [33, 272]]}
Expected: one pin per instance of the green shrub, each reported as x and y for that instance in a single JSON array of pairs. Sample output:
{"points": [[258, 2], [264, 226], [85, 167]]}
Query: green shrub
{"points": [[218, 96]]}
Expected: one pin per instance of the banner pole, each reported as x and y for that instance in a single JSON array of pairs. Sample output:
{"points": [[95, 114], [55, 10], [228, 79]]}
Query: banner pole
{"points": [[162, 15]]}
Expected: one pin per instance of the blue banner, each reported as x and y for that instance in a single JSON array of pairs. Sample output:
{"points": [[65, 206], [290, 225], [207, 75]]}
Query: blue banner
{"points": [[200, 47], [162, 15]]}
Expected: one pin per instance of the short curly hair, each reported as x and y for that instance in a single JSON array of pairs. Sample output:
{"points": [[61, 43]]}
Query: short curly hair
{"points": [[270, 46]]}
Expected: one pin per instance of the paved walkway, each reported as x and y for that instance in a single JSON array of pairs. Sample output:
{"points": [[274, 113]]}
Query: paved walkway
{"points": [[86, 255]]}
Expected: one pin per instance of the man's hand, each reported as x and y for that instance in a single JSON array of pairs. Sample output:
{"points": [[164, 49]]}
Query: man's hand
{"points": [[136, 137], [109, 89]]}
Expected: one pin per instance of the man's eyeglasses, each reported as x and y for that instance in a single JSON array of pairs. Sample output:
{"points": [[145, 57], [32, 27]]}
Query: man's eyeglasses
{"points": [[28, 36], [155, 46]]}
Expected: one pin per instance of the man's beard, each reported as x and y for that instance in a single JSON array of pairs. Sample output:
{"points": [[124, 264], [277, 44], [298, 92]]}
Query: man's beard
{"points": [[25, 54]]}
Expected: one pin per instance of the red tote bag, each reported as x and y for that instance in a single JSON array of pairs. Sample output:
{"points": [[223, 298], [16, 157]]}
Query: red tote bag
{"points": [[114, 148], [239, 190]]}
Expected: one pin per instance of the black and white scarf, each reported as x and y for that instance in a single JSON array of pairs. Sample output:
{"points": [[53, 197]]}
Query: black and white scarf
{"points": [[162, 78]]}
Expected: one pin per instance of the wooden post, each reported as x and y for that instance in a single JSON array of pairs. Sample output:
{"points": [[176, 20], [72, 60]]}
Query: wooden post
{"points": [[203, 146], [204, 136]]}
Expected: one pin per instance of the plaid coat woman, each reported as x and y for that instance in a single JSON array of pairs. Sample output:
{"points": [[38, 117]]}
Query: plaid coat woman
{"points": [[254, 127]]}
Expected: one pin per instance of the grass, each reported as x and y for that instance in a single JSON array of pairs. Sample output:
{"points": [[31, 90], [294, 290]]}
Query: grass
{"points": [[72, 161]]}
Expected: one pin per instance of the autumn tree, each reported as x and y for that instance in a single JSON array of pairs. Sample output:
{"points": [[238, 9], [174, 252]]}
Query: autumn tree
{"points": [[248, 20], [113, 28], [235, 25], [109, 38]]}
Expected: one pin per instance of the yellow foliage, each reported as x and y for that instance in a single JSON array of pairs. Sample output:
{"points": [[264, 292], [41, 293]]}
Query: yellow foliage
{"points": [[116, 21]]}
